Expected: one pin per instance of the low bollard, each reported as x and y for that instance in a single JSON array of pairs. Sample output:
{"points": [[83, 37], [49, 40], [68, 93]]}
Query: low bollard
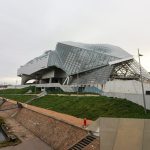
{"points": [[85, 123]]}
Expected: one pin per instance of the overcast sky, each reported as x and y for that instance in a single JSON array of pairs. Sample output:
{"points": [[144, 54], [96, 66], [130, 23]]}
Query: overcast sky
{"points": [[29, 27]]}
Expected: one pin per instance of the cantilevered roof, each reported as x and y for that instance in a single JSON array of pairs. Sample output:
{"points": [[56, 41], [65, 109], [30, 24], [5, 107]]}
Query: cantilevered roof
{"points": [[73, 58], [101, 48]]}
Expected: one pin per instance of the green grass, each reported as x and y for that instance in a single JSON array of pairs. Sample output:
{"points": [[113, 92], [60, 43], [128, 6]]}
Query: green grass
{"points": [[20, 98], [89, 107], [92, 107], [18, 91]]}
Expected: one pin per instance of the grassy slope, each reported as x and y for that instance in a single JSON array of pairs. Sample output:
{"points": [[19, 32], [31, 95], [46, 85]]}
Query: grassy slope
{"points": [[92, 107], [17, 94], [21, 98], [89, 107], [17, 91]]}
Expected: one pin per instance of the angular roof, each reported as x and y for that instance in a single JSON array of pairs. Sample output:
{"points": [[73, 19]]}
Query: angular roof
{"points": [[101, 48], [73, 58]]}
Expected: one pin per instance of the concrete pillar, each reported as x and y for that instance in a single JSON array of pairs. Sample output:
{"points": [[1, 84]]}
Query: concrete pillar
{"points": [[50, 80], [24, 79]]}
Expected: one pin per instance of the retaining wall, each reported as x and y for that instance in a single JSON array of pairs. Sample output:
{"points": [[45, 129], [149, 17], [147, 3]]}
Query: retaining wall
{"points": [[57, 133]]}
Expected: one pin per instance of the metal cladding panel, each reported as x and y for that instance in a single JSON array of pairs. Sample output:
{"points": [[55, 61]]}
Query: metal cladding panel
{"points": [[102, 48], [99, 75], [34, 65], [75, 59], [54, 60]]}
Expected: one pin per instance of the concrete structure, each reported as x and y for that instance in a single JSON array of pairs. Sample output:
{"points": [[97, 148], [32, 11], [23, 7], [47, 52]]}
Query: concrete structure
{"points": [[128, 89], [95, 68], [122, 133], [85, 65]]}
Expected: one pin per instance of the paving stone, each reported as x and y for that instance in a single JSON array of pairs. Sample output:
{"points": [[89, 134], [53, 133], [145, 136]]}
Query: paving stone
{"points": [[129, 135], [146, 135]]}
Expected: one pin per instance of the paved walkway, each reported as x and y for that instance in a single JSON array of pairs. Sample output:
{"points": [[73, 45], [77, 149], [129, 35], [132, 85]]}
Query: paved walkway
{"points": [[32, 144], [29, 141], [123, 133]]}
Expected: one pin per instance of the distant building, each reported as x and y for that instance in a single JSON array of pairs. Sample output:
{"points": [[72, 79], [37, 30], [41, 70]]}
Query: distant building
{"points": [[85, 67], [3, 86]]}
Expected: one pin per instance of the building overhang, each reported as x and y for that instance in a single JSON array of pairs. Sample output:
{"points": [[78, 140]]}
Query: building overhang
{"points": [[120, 60]]}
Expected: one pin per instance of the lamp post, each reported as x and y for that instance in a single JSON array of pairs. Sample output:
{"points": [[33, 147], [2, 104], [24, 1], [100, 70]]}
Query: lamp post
{"points": [[16, 84], [99, 134], [142, 82], [77, 84], [35, 83]]}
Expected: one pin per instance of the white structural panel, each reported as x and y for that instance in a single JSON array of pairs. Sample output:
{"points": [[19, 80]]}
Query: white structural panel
{"points": [[136, 98], [34, 65], [130, 90], [125, 86]]}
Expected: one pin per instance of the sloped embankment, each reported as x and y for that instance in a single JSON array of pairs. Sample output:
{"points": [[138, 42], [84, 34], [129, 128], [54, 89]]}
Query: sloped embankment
{"points": [[58, 133]]}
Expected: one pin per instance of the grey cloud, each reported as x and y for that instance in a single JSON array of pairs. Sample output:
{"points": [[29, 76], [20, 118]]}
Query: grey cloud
{"points": [[29, 27]]}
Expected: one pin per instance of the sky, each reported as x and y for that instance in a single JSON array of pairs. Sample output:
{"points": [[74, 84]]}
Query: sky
{"points": [[30, 27]]}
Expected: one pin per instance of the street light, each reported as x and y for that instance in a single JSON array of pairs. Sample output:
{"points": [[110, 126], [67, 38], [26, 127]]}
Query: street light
{"points": [[77, 84], [16, 84], [35, 83], [142, 82]]}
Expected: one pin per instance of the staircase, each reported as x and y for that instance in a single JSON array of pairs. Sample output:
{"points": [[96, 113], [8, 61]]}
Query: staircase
{"points": [[83, 143], [42, 94], [66, 88]]}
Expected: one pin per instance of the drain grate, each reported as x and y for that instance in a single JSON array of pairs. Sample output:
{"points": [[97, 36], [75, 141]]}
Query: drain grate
{"points": [[83, 143]]}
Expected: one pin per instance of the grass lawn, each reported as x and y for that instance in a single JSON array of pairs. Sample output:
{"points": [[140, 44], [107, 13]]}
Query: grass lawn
{"points": [[18, 91], [20, 98], [90, 107]]}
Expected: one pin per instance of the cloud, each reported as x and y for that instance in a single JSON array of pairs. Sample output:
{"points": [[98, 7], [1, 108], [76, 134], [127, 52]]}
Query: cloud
{"points": [[29, 27]]}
